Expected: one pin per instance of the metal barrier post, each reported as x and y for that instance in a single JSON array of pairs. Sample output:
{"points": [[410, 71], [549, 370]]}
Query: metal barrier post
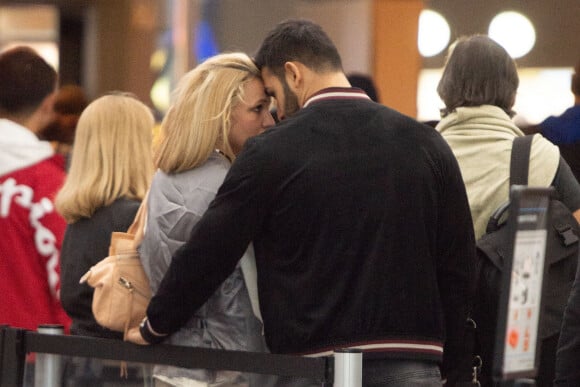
{"points": [[348, 368], [48, 367]]}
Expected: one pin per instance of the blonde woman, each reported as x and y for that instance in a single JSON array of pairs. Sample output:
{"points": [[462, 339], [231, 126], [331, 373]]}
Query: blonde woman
{"points": [[110, 172], [218, 106]]}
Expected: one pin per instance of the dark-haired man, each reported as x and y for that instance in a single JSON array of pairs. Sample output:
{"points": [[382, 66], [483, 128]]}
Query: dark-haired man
{"points": [[565, 128], [30, 176], [359, 219]]}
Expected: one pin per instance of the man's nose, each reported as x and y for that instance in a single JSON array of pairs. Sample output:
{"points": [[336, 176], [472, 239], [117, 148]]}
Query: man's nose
{"points": [[274, 114], [268, 120]]}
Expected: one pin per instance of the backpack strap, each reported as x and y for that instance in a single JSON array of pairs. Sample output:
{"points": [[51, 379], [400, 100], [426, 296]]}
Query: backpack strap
{"points": [[519, 164], [520, 160]]}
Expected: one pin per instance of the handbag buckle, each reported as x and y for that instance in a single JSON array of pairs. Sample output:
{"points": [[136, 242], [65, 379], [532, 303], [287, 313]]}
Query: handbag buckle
{"points": [[126, 283]]}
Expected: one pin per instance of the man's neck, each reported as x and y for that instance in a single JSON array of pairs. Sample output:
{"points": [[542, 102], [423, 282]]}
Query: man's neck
{"points": [[22, 120], [319, 82]]}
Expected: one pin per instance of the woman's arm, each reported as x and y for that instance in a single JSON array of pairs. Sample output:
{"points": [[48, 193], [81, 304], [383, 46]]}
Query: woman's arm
{"points": [[568, 188]]}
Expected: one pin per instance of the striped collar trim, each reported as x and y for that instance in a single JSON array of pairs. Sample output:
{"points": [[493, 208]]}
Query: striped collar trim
{"points": [[337, 93], [431, 348]]}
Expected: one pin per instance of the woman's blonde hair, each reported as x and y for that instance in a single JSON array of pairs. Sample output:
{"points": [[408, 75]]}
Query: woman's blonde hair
{"points": [[199, 120], [111, 156]]}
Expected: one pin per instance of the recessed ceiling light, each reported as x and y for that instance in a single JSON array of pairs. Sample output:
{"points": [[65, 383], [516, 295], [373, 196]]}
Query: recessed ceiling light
{"points": [[514, 32], [434, 33]]}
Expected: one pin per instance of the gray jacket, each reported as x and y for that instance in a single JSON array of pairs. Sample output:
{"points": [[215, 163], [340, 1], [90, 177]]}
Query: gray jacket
{"points": [[226, 321]]}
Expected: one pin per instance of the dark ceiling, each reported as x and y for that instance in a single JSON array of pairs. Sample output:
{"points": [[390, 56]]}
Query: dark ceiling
{"points": [[557, 24]]}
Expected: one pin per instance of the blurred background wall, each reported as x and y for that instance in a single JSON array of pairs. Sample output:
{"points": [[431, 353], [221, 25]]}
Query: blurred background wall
{"points": [[144, 46]]}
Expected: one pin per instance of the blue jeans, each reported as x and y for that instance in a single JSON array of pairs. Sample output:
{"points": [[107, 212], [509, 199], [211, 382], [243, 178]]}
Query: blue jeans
{"points": [[400, 373]]}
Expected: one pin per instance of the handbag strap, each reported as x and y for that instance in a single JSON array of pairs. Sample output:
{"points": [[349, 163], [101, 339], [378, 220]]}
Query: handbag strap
{"points": [[137, 228], [520, 160]]}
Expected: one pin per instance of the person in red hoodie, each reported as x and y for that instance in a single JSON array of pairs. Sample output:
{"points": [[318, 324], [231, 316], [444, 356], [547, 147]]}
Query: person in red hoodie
{"points": [[30, 176]]}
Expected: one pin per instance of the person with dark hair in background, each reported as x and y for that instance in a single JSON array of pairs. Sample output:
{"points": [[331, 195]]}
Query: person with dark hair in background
{"points": [[30, 176], [568, 352], [565, 129], [478, 86], [364, 82], [69, 103], [359, 220]]}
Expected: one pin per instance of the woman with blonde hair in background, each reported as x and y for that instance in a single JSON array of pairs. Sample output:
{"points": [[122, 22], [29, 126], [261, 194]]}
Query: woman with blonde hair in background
{"points": [[110, 173], [217, 107]]}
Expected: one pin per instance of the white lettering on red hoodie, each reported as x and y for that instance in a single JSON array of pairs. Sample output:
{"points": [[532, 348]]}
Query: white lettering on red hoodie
{"points": [[31, 231]]}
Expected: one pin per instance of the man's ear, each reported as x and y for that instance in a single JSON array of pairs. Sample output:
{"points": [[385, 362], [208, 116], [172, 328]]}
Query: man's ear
{"points": [[293, 74], [47, 105]]}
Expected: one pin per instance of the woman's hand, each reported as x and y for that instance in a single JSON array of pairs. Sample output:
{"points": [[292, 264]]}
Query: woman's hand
{"points": [[134, 336]]}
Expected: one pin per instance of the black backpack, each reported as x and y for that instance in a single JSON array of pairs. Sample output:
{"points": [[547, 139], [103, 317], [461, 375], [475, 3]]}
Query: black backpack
{"points": [[561, 258]]}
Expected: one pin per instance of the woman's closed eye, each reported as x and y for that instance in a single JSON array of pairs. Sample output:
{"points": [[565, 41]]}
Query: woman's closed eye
{"points": [[259, 107]]}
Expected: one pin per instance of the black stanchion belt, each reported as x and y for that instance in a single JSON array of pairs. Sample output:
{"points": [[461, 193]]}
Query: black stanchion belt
{"points": [[320, 369]]}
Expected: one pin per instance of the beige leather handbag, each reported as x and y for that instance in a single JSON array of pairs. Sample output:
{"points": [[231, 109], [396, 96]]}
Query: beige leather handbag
{"points": [[122, 290]]}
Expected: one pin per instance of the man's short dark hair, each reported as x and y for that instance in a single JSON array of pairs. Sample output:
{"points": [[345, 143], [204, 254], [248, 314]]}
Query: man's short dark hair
{"points": [[25, 81], [576, 80], [478, 72], [298, 40]]}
